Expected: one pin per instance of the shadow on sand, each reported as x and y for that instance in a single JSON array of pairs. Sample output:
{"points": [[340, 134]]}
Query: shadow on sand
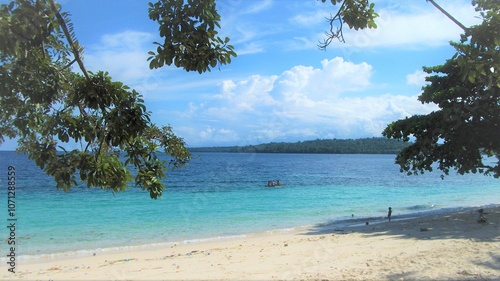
{"points": [[461, 225]]}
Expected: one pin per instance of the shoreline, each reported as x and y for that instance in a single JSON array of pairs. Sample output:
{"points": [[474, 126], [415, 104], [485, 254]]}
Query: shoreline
{"points": [[335, 224], [440, 244]]}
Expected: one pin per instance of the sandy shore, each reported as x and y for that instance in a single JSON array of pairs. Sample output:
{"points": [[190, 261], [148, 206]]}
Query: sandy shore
{"points": [[451, 246]]}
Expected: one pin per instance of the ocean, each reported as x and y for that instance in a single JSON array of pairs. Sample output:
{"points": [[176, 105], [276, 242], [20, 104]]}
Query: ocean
{"points": [[223, 195]]}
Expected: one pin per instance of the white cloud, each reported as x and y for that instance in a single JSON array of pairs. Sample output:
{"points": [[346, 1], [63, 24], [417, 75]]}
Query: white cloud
{"points": [[123, 55], [421, 27], [301, 25], [250, 48], [417, 78], [408, 24], [302, 103], [257, 6], [338, 98], [311, 18], [336, 76], [247, 94], [302, 43], [217, 135]]}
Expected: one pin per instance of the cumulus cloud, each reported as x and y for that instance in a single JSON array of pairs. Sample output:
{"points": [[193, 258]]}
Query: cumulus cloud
{"points": [[417, 78], [336, 76], [303, 102], [246, 94]]}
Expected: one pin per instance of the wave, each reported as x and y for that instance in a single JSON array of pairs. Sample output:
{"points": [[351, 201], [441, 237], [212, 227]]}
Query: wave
{"points": [[420, 207]]}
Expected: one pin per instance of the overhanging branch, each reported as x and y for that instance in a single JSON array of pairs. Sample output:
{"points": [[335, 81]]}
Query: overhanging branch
{"points": [[448, 15], [65, 29], [74, 48], [333, 34]]}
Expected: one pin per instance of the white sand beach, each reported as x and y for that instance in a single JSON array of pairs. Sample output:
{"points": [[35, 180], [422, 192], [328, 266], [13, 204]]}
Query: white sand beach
{"points": [[451, 246]]}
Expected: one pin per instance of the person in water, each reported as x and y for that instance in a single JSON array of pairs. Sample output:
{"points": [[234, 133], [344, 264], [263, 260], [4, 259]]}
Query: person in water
{"points": [[273, 183], [482, 218], [389, 214]]}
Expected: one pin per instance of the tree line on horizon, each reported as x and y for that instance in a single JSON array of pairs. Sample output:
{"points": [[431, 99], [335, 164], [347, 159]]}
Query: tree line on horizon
{"points": [[318, 146]]}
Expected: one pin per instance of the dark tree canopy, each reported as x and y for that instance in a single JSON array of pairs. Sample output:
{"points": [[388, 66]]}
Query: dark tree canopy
{"points": [[191, 40], [45, 104], [466, 128]]}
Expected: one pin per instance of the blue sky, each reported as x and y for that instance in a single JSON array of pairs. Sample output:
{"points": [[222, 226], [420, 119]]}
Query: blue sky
{"points": [[280, 87]]}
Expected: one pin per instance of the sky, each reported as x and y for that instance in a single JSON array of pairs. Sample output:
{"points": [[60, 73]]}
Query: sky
{"points": [[281, 87]]}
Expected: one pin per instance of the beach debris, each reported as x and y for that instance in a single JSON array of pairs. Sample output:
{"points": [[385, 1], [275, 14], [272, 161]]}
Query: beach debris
{"points": [[465, 272], [192, 252], [122, 260]]}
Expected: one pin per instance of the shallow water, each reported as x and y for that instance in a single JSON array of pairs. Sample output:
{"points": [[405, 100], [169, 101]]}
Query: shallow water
{"points": [[222, 194]]}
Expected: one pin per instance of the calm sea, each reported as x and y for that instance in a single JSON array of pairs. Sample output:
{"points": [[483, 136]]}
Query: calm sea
{"points": [[222, 195]]}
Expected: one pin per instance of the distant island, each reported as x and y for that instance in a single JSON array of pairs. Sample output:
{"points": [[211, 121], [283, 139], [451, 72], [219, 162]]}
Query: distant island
{"points": [[325, 146]]}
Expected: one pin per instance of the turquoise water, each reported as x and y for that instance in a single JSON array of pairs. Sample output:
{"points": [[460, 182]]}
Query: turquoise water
{"points": [[222, 194]]}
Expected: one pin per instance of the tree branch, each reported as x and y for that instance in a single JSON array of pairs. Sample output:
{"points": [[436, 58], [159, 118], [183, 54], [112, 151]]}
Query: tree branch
{"points": [[76, 53], [64, 27], [69, 64], [448, 15], [333, 34]]}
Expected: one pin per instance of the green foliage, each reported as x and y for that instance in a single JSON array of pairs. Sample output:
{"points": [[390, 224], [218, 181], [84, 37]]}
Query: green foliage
{"points": [[327, 146], [191, 41], [45, 104], [467, 90], [357, 14]]}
